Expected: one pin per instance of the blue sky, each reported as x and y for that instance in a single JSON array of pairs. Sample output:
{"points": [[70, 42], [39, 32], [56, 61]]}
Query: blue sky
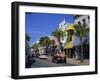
{"points": [[43, 24]]}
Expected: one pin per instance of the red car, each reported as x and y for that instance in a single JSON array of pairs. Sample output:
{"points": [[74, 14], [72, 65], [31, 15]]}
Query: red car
{"points": [[59, 57]]}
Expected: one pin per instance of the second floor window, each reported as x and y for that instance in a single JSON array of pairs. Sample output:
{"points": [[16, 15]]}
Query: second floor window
{"points": [[69, 39]]}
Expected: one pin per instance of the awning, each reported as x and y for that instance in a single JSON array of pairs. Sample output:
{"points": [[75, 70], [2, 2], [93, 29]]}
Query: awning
{"points": [[70, 27]]}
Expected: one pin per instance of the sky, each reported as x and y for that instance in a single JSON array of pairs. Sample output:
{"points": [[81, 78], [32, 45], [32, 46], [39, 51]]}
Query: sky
{"points": [[43, 24]]}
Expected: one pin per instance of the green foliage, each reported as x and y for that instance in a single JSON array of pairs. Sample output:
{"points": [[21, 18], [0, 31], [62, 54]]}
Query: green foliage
{"points": [[27, 37], [81, 30], [45, 41], [35, 46], [27, 47], [59, 34]]}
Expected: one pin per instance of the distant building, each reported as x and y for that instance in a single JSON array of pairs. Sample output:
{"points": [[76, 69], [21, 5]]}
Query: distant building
{"points": [[55, 40], [41, 50]]}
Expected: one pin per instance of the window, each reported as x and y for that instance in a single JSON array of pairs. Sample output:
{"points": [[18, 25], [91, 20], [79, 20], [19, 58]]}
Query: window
{"points": [[70, 38], [79, 22], [88, 17], [84, 21], [71, 32]]}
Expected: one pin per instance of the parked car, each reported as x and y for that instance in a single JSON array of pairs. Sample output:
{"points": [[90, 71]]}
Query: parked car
{"points": [[59, 58], [35, 55], [43, 56]]}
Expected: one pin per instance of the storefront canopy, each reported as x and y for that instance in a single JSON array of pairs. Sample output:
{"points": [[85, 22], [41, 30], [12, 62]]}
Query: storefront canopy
{"points": [[70, 27]]}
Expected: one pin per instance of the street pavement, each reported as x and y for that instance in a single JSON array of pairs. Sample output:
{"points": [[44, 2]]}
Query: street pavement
{"points": [[73, 61], [77, 62], [48, 63]]}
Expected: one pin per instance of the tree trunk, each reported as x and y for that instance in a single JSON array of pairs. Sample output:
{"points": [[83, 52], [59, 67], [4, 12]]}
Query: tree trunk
{"points": [[81, 57], [46, 50], [66, 53], [59, 40], [59, 43]]}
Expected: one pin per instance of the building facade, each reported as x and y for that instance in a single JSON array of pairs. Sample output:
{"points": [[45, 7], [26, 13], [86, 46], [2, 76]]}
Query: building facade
{"points": [[63, 25], [77, 20], [82, 19], [72, 45]]}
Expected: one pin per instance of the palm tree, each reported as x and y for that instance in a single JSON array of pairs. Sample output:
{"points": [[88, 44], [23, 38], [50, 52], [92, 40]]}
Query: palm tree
{"points": [[59, 34], [35, 46], [27, 37], [81, 30], [45, 41]]}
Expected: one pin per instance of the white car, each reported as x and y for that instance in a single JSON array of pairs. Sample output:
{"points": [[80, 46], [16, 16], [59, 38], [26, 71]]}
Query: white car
{"points": [[42, 56]]}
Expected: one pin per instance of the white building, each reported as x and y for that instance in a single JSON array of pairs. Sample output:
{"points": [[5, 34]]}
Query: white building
{"points": [[63, 25], [82, 19], [41, 50], [55, 40]]}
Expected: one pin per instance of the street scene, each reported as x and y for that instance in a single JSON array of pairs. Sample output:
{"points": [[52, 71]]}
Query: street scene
{"points": [[55, 40]]}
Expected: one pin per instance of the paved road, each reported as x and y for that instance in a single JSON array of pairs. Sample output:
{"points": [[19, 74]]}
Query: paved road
{"points": [[48, 63]]}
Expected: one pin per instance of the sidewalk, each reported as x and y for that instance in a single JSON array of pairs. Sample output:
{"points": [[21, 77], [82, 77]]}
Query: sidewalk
{"points": [[74, 61], [77, 62]]}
